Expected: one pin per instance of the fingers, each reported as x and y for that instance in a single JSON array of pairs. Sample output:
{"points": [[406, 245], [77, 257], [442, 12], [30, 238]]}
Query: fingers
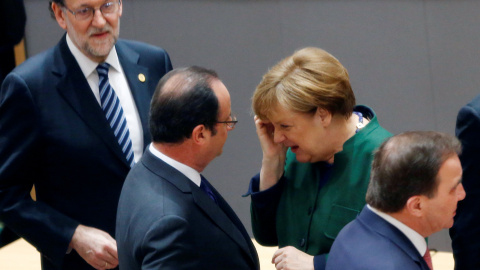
{"points": [[265, 132], [112, 255], [108, 255], [259, 126], [103, 258], [276, 256], [112, 249], [293, 259], [96, 247], [101, 266], [104, 266]]}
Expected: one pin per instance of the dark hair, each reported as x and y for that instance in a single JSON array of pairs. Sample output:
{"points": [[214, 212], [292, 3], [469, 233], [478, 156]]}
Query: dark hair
{"points": [[407, 165], [58, 2], [183, 100]]}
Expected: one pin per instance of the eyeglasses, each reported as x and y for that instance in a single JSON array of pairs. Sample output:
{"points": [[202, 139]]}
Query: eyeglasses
{"points": [[87, 13], [231, 123]]}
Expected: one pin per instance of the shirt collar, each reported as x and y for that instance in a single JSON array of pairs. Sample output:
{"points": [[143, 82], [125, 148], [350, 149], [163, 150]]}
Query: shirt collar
{"points": [[86, 64], [189, 172], [417, 240]]}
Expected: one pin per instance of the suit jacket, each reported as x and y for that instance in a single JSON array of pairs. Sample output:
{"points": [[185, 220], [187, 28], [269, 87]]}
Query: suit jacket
{"points": [[369, 243], [465, 232], [54, 135], [165, 221]]}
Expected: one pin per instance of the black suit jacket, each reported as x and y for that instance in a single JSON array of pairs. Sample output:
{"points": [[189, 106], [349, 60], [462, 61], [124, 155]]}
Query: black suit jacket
{"points": [[371, 243], [54, 135], [465, 232], [165, 221]]}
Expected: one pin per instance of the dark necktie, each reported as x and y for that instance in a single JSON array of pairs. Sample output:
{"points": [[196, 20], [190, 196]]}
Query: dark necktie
{"points": [[114, 113], [206, 189], [428, 259]]}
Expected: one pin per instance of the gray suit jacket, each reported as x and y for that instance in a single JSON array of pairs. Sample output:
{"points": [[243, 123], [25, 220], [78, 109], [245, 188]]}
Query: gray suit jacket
{"points": [[165, 221]]}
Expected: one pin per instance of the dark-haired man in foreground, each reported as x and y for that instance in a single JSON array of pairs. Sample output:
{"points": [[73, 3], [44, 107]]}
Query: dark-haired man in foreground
{"points": [[169, 216]]}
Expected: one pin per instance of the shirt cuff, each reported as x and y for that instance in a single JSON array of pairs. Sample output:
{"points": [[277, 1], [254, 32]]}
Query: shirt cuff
{"points": [[320, 262], [264, 197]]}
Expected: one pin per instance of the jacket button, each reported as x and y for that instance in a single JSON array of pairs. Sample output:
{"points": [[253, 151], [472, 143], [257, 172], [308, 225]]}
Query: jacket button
{"points": [[302, 242]]}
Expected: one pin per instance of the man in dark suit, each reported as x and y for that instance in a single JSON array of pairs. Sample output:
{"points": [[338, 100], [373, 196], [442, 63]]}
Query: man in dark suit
{"points": [[55, 135], [465, 233], [169, 216], [414, 188]]}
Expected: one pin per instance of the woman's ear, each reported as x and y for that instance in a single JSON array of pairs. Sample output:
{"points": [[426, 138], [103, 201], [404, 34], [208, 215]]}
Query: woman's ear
{"points": [[324, 116]]}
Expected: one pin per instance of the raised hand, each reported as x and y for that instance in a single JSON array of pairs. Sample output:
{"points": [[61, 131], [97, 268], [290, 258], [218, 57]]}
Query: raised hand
{"points": [[273, 154]]}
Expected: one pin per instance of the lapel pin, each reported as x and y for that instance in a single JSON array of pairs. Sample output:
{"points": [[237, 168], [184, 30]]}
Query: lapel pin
{"points": [[141, 77]]}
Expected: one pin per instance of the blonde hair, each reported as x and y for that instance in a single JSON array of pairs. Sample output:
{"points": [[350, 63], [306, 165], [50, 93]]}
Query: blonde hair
{"points": [[311, 78]]}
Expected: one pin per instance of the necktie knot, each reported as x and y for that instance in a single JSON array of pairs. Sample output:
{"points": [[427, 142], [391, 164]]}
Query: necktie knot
{"points": [[102, 69]]}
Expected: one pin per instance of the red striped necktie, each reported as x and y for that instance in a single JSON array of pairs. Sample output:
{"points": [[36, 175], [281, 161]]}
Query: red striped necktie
{"points": [[428, 259]]}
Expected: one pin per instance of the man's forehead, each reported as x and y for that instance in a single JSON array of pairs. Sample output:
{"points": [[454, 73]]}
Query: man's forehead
{"points": [[85, 2]]}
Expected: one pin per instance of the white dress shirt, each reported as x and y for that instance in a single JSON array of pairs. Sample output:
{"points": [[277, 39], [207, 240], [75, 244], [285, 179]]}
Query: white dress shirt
{"points": [[417, 240], [189, 172], [118, 81]]}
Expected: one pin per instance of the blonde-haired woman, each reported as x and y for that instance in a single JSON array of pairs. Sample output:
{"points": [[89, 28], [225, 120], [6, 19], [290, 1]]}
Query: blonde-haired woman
{"points": [[317, 149]]}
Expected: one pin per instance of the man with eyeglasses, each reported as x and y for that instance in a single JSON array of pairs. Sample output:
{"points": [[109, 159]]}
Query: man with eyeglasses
{"points": [[73, 120], [169, 215]]}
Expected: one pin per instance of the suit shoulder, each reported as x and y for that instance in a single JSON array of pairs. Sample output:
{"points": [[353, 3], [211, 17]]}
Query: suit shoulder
{"points": [[141, 47], [153, 57], [362, 246], [474, 105], [34, 65], [157, 194]]}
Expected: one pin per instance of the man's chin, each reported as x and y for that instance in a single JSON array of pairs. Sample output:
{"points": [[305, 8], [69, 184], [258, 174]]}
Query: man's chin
{"points": [[100, 48], [99, 52]]}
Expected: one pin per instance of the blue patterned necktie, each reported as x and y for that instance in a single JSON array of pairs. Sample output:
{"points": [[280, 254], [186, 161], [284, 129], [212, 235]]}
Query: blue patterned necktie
{"points": [[114, 113]]}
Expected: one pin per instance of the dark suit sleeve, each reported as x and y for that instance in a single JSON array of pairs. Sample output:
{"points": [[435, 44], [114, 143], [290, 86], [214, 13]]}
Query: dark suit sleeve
{"points": [[264, 211], [20, 160], [166, 246], [465, 233]]}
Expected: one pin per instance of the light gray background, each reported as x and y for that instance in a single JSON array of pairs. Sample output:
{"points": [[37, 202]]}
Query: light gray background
{"points": [[414, 62]]}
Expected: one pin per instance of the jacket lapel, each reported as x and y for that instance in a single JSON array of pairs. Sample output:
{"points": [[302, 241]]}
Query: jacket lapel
{"points": [[389, 231], [220, 214], [74, 88], [224, 217], [137, 78], [242, 240]]}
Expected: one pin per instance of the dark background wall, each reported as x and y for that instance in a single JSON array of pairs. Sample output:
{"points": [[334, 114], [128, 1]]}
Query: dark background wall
{"points": [[414, 62]]}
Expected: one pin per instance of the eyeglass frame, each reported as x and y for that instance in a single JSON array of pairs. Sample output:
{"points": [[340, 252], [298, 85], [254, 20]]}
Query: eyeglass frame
{"points": [[92, 9], [230, 124]]}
